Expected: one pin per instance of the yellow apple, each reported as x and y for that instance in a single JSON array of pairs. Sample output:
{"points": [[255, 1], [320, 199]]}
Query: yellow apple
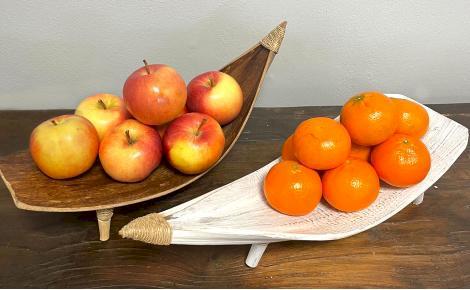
{"points": [[104, 111], [64, 146]]}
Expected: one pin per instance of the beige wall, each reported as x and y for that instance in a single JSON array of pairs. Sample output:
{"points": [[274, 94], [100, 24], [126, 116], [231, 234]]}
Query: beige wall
{"points": [[53, 53]]}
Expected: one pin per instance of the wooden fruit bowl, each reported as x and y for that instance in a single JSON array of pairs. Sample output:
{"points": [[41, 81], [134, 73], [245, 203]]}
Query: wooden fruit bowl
{"points": [[94, 190]]}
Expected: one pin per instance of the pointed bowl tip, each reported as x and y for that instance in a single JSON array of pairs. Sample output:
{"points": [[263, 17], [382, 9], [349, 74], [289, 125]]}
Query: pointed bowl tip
{"points": [[151, 228], [273, 40], [125, 232]]}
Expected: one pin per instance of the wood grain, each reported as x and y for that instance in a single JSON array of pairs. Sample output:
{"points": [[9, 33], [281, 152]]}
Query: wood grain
{"points": [[93, 190], [422, 246]]}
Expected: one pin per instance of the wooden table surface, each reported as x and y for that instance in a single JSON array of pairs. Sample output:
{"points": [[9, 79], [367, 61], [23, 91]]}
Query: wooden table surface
{"points": [[422, 246]]}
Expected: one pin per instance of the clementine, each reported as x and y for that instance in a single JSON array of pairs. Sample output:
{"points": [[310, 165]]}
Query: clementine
{"points": [[352, 186], [292, 189], [402, 160], [413, 118], [360, 152], [288, 149], [370, 118], [321, 143]]}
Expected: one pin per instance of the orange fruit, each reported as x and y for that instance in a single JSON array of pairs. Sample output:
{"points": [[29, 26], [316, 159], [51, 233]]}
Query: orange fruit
{"points": [[402, 160], [370, 118], [352, 186], [360, 152], [413, 118], [292, 189], [321, 143], [288, 149]]}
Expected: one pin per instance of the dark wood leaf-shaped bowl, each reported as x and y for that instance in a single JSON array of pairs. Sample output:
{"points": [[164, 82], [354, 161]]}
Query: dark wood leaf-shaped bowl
{"points": [[94, 190]]}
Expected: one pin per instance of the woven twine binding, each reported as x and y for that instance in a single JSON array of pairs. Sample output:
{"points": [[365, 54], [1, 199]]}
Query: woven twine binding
{"points": [[273, 40], [151, 228]]}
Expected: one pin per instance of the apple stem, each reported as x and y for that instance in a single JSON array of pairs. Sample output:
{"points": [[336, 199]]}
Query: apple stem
{"points": [[54, 122], [211, 83], [102, 104], [146, 66], [200, 126], [129, 139]]}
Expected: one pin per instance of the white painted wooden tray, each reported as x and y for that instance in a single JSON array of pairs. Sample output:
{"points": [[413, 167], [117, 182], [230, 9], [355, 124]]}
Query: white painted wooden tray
{"points": [[237, 213]]}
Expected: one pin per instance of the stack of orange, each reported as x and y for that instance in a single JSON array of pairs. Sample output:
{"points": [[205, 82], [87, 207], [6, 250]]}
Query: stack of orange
{"points": [[377, 138]]}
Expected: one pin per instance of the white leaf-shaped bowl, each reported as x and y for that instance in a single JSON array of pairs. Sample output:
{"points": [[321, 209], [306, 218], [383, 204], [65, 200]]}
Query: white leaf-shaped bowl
{"points": [[238, 213]]}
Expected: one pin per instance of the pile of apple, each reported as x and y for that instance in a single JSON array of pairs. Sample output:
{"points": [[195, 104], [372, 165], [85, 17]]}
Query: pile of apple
{"points": [[157, 116]]}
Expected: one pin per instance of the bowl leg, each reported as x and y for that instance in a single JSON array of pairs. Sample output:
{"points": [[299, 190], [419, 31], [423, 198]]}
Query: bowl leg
{"points": [[419, 199], [255, 254], [104, 222]]}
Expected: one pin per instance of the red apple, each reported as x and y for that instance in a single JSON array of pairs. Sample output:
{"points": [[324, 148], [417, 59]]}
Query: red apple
{"points": [[162, 128], [131, 151], [104, 111], [193, 143], [216, 94], [64, 146], [155, 94]]}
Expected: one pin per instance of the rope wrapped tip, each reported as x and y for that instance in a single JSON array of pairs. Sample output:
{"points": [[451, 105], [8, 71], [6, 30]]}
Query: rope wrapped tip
{"points": [[273, 40], [152, 228]]}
